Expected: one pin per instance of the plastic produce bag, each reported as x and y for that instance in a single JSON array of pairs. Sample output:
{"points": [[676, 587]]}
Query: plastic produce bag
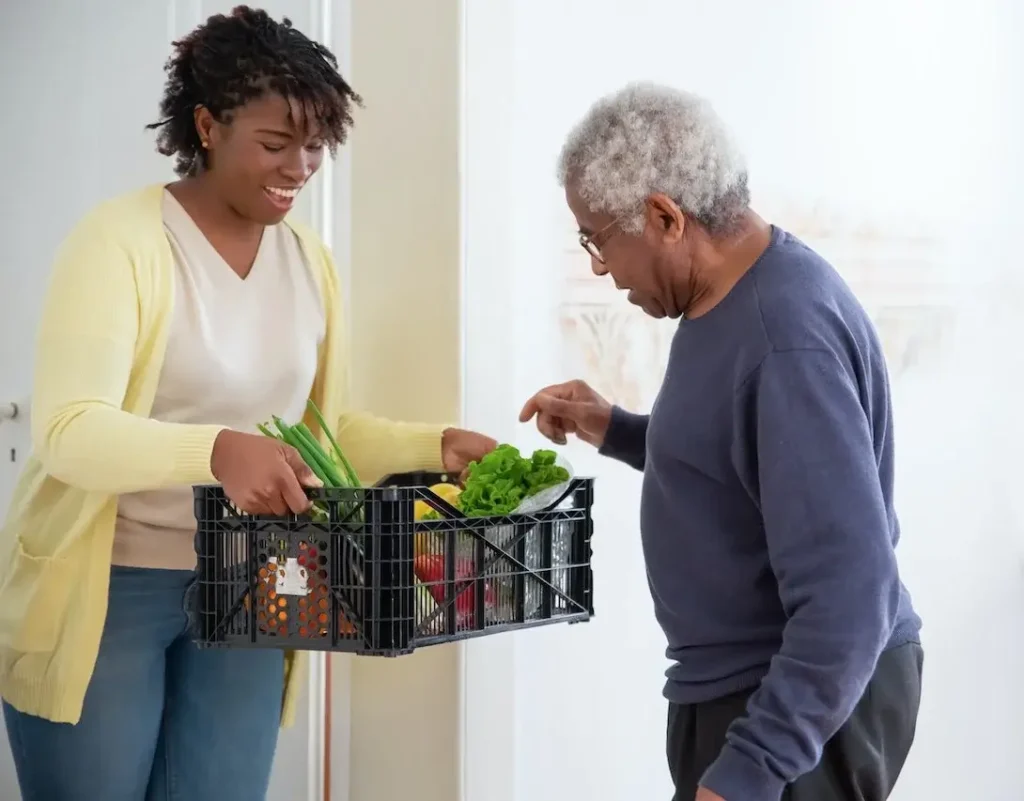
{"points": [[545, 498]]}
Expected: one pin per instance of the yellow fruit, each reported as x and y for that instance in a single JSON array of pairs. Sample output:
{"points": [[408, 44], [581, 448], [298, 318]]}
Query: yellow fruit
{"points": [[427, 541], [420, 508], [448, 492]]}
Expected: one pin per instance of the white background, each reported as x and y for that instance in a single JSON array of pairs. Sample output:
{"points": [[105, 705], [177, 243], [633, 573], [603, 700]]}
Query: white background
{"points": [[899, 117], [886, 134]]}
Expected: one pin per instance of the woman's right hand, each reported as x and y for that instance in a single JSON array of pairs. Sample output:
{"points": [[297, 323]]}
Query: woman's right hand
{"points": [[261, 475]]}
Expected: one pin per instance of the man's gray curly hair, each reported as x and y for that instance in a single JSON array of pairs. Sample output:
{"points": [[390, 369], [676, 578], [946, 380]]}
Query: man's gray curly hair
{"points": [[648, 138]]}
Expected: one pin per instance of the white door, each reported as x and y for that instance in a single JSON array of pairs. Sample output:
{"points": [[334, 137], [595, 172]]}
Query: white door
{"points": [[78, 82]]}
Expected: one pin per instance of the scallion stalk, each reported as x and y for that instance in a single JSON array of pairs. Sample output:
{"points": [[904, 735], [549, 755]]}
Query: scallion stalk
{"points": [[339, 454]]}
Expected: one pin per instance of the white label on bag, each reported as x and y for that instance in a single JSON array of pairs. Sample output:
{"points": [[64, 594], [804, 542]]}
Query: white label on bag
{"points": [[292, 579]]}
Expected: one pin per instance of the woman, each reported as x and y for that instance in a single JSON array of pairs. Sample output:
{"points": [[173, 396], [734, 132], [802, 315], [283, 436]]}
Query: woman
{"points": [[177, 319]]}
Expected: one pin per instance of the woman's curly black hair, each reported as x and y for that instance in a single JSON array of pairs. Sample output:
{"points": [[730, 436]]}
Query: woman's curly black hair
{"points": [[235, 58]]}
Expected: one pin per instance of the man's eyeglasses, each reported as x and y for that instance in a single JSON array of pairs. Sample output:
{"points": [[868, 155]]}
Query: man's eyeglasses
{"points": [[592, 243]]}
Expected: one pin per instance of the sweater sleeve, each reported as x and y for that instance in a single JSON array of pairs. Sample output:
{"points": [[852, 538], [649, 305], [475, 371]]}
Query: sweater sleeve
{"points": [[830, 548], [378, 447], [626, 440], [87, 347]]}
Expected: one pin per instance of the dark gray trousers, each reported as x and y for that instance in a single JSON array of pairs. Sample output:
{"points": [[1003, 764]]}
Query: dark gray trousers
{"points": [[860, 763]]}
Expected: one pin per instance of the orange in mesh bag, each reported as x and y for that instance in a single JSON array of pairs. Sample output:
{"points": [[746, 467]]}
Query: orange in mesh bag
{"points": [[295, 597]]}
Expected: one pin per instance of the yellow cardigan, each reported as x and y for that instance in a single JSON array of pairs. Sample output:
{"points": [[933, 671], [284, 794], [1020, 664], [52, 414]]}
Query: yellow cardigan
{"points": [[99, 353]]}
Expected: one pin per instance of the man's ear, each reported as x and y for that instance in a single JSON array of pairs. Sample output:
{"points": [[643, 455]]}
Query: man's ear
{"points": [[665, 217]]}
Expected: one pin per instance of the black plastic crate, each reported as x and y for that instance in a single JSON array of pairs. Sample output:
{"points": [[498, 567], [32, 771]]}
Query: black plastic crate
{"points": [[363, 576]]}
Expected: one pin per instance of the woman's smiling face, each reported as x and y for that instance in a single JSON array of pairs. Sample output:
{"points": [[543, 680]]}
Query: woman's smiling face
{"points": [[262, 155]]}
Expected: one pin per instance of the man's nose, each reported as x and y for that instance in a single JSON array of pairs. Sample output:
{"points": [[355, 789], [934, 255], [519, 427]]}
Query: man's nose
{"points": [[598, 267]]}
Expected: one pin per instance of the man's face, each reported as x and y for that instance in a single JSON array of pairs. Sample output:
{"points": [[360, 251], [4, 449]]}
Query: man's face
{"points": [[641, 265]]}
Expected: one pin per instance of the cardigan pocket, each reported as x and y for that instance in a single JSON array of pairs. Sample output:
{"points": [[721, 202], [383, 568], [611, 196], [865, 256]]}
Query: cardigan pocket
{"points": [[34, 597]]}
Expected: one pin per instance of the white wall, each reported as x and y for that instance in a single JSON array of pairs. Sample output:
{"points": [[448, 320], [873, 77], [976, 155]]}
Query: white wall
{"points": [[84, 79], [404, 316], [885, 135]]}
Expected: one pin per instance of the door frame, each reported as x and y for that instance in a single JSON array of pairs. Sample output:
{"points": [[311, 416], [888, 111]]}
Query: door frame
{"points": [[329, 676], [487, 727]]}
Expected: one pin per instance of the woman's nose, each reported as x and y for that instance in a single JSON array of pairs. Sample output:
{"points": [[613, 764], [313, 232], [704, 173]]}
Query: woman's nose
{"points": [[297, 168]]}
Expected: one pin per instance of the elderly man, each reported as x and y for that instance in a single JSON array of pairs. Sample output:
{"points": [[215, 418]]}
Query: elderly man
{"points": [[767, 514]]}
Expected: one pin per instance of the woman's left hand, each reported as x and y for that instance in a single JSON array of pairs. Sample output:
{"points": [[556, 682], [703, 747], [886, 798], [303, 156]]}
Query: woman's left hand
{"points": [[460, 447]]}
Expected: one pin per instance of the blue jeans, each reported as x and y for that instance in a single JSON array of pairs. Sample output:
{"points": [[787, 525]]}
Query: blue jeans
{"points": [[163, 720]]}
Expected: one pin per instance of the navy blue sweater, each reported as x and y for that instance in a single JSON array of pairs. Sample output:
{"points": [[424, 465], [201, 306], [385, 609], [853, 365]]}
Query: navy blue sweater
{"points": [[767, 513]]}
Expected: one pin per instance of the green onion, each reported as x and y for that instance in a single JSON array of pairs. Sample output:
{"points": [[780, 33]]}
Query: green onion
{"points": [[333, 472], [290, 437], [339, 455], [267, 432], [319, 455]]}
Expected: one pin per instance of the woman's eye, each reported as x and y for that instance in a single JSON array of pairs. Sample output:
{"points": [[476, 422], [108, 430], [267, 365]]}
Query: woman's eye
{"points": [[315, 147], [273, 148]]}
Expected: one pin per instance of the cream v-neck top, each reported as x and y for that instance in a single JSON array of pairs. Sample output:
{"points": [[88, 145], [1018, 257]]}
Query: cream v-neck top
{"points": [[238, 352]]}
